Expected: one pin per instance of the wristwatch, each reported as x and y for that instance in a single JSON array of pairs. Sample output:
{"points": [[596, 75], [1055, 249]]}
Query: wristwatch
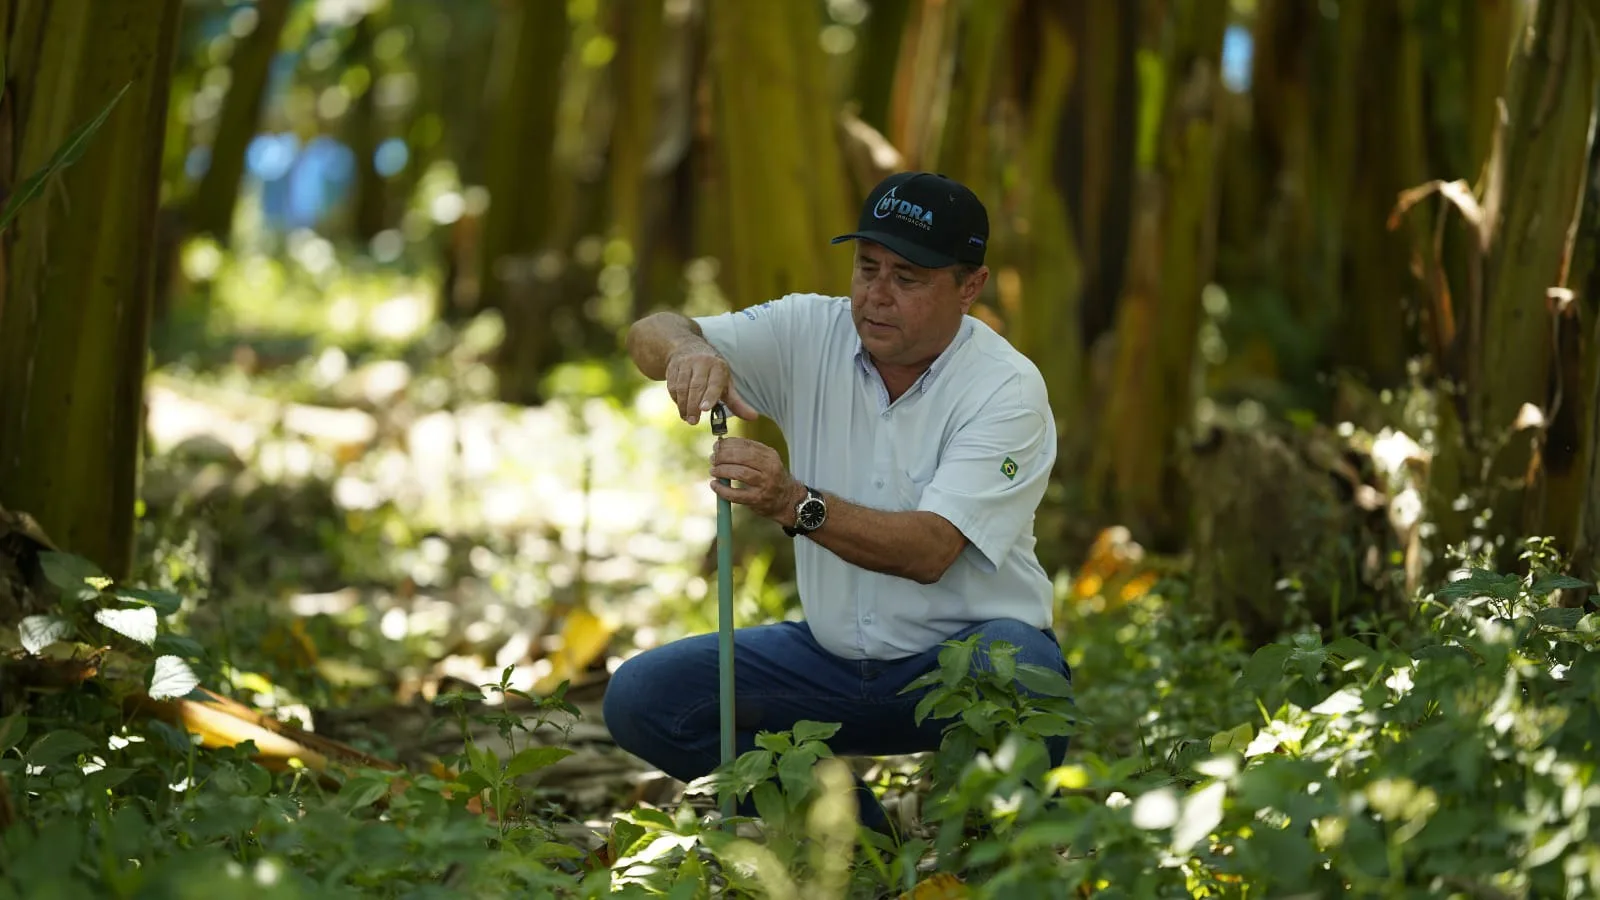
{"points": [[809, 514]]}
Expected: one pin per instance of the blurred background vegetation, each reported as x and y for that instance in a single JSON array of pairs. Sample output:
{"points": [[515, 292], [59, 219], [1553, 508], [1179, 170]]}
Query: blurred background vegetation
{"points": [[312, 310]]}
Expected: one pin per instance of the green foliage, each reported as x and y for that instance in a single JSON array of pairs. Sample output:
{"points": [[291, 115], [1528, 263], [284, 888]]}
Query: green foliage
{"points": [[94, 612], [1452, 756], [68, 153]]}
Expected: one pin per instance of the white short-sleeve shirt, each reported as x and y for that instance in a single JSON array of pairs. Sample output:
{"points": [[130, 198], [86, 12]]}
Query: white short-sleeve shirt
{"points": [[973, 440]]}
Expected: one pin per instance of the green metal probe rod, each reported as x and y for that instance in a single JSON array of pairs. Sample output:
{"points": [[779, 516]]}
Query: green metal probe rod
{"points": [[719, 427]]}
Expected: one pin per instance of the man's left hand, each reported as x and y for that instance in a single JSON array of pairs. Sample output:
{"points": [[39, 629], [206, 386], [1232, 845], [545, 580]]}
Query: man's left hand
{"points": [[762, 482]]}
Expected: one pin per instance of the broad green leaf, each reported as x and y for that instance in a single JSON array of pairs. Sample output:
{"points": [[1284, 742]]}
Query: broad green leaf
{"points": [[1234, 739], [1348, 648], [67, 154], [925, 706], [105, 779], [807, 730], [550, 850], [624, 835], [955, 662], [770, 806], [1551, 583], [137, 624], [470, 783], [1053, 833], [39, 632], [1309, 662], [179, 645], [1041, 680], [753, 767], [1049, 724], [978, 718], [56, 746], [165, 603], [1003, 659], [1559, 617], [484, 762], [926, 679], [776, 741], [12, 728], [78, 578], [362, 791], [648, 816], [1265, 667], [172, 678], [533, 759], [794, 772]]}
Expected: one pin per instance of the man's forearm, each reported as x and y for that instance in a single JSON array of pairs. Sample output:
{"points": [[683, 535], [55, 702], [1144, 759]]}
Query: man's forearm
{"points": [[653, 339], [914, 544]]}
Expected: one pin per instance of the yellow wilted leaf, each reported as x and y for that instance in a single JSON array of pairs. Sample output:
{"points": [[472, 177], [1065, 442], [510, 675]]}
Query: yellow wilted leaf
{"points": [[941, 886], [583, 638], [1138, 586]]}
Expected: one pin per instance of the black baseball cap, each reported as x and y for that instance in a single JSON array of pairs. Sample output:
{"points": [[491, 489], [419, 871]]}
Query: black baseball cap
{"points": [[930, 219]]}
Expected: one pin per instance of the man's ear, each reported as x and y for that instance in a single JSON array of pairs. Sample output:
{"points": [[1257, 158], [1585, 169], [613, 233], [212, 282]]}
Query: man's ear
{"points": [[972, 287]]}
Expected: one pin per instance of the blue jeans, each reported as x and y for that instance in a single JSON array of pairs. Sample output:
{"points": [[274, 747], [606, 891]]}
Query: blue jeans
{"points": [[662, 704]]}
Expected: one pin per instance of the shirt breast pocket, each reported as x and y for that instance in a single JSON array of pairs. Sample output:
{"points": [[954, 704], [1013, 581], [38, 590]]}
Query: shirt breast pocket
{"points": [[911, 482]]}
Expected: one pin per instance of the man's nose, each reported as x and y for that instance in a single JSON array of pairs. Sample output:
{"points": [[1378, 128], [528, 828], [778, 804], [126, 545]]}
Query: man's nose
{"points": [[878, 290]]}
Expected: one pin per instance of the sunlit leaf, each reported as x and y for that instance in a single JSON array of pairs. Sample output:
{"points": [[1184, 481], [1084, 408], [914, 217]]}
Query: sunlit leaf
{"points": [[39, 632], [138, 624], [1155, 809], [1234, 740], [172, 678], [1202, 812], [65, 155], [1341, 702], [806, 730]]}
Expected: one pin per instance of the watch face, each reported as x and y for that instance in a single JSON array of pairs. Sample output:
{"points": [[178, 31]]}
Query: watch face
{"points": [[811, 514]]}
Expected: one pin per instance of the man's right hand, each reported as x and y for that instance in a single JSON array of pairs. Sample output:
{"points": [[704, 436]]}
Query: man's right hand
{"points": [[697, 377]]}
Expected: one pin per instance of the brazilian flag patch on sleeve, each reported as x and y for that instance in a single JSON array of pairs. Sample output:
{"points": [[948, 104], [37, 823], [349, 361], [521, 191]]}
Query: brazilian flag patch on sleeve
{"points": [[1009, 468]]}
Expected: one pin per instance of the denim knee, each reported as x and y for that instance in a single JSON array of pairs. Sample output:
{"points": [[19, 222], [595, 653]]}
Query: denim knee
{"points": [[1033, 644], [626, 705]]}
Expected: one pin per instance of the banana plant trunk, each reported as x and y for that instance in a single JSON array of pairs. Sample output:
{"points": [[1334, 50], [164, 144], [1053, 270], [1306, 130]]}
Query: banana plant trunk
{"points": [[77, 264], [777, 173], [1532, 206], [1135, 469]]}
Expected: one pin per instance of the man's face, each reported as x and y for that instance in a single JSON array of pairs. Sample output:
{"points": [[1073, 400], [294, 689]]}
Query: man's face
{"points": [[906, 315]]}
